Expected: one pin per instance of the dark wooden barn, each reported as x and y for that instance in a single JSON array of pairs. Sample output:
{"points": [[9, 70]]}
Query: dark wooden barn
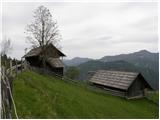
{"points": [[53, 61], [125, 84]]}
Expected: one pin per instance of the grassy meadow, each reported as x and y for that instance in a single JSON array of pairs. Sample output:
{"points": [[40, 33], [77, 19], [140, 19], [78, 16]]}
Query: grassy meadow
{"points": [[44, 96]]}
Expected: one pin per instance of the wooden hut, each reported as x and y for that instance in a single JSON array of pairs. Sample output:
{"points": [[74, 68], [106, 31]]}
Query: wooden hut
{"points": [[53, 61], [125, 84]]}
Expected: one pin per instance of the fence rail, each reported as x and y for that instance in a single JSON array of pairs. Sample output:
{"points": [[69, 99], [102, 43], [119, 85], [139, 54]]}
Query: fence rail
{"points": [[7, 100]]}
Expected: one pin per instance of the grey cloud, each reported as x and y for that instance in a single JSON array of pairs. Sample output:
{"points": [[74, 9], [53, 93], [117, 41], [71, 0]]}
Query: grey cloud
{"points": [[148, 23], [87, 28]]}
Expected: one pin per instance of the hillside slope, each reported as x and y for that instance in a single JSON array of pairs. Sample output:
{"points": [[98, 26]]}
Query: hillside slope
{"points": [[142, 58], [41, 96], [121, 65]]}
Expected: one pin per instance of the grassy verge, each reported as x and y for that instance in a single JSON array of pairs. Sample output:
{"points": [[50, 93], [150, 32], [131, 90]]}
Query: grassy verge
{"points": [[153, 96], [42, 96]]}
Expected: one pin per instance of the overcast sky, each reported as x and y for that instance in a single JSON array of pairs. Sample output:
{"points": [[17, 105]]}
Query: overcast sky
{"points": [[89, 29]]}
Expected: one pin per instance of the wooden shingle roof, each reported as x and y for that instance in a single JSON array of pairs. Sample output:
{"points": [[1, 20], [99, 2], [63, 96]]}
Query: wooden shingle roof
{"points": [[55, 62], [33, 52], [36, 51], [115, 79]]}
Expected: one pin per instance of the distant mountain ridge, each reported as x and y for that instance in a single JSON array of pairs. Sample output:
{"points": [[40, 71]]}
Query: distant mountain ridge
{"points": [[93, 65], [140, 55], [141, 58], [142, 61], [76, 61]]}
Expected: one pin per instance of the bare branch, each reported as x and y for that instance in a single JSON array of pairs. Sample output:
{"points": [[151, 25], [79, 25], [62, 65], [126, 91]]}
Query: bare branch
{"points": [[5, 46], [43, 30]]}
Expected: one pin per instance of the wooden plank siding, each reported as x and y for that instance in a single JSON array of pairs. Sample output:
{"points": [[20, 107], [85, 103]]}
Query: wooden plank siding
{"points": [[120, 83], [137, 88], [52, 59]]}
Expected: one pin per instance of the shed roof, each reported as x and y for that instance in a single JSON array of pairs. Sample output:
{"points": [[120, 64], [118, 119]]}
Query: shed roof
{"points": [[36, 51], [115, 79], [55, 62]]}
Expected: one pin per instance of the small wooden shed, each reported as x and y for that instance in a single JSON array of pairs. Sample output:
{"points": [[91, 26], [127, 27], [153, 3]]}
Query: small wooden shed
{"points": [[120, 83], [53, 61]]}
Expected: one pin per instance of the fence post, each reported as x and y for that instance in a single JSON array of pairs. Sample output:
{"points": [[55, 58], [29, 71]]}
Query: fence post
{"points": [[5, 63], [25, 64], [6, 93], [10, 67], [16, 69], [3, 72], [21, 65]]}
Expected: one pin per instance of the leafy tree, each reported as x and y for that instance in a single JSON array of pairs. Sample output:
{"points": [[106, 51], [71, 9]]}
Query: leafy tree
{"points": [[72, 72]]}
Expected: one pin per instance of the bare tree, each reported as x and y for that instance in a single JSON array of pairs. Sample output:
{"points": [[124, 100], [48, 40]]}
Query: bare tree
{"points": [[5, 46], [43, 30]]}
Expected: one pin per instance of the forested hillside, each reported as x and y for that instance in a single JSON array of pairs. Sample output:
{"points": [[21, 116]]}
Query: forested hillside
{"points": [[76, 61], [141, 58], [149, 74], [142, 61]]}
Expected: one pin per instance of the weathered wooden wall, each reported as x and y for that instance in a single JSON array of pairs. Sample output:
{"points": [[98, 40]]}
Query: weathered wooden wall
{"points": [[138, 87]]}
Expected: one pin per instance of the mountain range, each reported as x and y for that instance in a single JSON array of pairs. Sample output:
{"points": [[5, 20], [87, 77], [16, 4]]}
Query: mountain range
{"points": [[142, 61], [76, 61]]}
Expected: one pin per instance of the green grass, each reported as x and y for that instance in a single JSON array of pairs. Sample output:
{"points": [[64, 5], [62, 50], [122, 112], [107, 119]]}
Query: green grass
{"points": [[42, 96], [153, 96]]}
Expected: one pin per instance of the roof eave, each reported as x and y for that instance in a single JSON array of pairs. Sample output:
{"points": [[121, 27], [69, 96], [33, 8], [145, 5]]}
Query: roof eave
{"points": [[133, 81], [143, 78]]}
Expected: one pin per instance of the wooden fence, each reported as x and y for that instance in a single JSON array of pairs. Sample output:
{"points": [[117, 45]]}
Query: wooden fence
{"points": [[7, 75], [7, 100]]}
